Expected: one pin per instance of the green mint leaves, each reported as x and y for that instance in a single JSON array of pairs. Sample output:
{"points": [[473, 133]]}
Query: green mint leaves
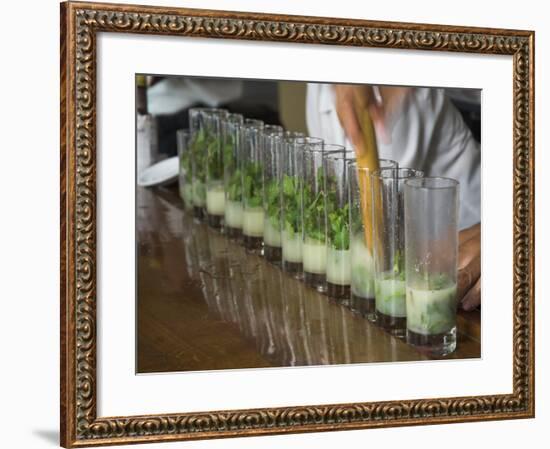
{"points": [[314, 214], [338, 228], [252, 185], [399, 265], [214, 158], [234, 186], [292, 204], [199, 152], [272, 204], [314, 209], [316, 203], [436, 281]]}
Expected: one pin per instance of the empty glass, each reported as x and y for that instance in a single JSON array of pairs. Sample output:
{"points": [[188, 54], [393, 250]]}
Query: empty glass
{"points": [[183, 137], [362, 260], [389, 247], [431, 243]]}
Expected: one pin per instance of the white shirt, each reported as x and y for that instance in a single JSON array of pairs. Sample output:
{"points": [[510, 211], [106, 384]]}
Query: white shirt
{"points": [[429, 135], [172, 94]]}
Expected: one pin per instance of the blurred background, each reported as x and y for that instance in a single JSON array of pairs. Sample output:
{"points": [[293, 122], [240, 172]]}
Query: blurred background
{"points": [[167, 99]]}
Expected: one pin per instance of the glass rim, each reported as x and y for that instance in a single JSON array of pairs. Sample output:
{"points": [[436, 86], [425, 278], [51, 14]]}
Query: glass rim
{"points": [[368, 170], [287, 140], [449, 183], [309, 140], [287, 136], [268, 127], [333, 147], [232, 121], [234, 115], [337, 155], [273, 137], [272, 133], [252, 123], [321, 148], [391, 161], [293, 134], [379, 173]]}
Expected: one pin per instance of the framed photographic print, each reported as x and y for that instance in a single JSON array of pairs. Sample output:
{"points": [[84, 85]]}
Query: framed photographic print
{"points": [[275, 224]]}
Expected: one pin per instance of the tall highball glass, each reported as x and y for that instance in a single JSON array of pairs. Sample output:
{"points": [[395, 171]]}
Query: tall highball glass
{"points": [[389, 247], [362, 260], [201, 138], [215, 195], [252, 184], [273, 147], [336, 171], [233, 211], [314, 245], [431, 252], [291, 203]]}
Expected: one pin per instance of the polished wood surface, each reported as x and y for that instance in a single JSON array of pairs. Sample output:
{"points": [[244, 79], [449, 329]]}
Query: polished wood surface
{"points": [[204, 303]]}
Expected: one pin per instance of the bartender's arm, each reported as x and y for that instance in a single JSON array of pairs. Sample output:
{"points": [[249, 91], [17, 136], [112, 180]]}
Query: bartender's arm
{"points": [[382, 105], [352, 98], [469, 267]]}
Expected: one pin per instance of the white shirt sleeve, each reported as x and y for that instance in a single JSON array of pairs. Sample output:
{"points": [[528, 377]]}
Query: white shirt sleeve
{"points": [[429, 135], [172, 94]]}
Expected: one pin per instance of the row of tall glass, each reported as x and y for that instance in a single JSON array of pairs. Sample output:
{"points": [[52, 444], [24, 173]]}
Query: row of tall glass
{"points": [[384, 243]]}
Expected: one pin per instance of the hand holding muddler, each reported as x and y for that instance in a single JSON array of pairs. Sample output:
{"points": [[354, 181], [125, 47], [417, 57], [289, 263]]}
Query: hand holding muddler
{"points": [[367, 113], [352, 106]]}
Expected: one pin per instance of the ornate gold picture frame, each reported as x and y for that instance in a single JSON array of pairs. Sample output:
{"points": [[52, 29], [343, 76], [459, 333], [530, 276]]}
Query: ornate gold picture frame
{"points": [[80, 24]]}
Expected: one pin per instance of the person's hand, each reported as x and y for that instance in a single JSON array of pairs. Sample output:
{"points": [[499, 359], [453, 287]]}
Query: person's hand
{"points": [[383, 105], [349, 99], [469, 267]]}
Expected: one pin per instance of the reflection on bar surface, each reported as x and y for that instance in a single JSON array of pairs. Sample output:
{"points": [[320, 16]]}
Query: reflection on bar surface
{"points": [[205, 303]]}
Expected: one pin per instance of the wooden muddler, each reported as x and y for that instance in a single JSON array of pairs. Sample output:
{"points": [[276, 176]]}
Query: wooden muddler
{"points": [[367, 157]]}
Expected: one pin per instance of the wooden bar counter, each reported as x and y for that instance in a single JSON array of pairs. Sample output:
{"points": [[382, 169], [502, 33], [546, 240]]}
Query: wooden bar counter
{"points": [[205, 304]]}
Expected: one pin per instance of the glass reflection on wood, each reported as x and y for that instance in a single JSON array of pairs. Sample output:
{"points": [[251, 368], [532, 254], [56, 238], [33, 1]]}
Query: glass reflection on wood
{"points": [[205, 303]]}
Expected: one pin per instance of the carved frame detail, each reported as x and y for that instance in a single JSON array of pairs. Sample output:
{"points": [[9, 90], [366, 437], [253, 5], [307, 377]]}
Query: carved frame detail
{"points": [[81, 22]]}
